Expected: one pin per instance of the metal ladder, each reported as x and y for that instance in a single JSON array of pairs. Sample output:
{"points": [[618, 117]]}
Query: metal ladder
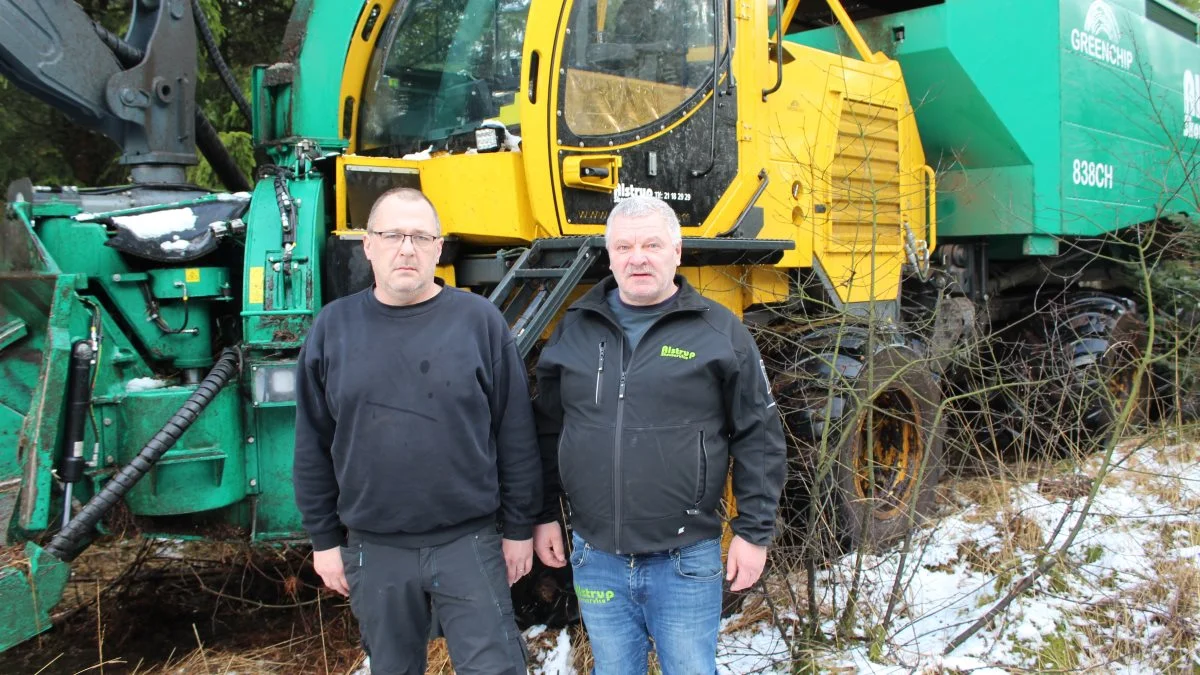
{"points": [[537, 285]]}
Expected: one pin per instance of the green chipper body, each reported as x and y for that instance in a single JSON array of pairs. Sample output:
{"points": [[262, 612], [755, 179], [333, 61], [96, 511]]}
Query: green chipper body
{"points": [[102, 268], [1046, 120]]}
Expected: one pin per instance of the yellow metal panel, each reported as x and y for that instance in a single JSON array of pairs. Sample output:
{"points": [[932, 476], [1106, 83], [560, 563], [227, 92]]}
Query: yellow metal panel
{"points": [[864, 276], [446, 274], [481, 196], [767, 285], [845, 128], [357, 59], [721, 284], [541, 42], [783, 213]]}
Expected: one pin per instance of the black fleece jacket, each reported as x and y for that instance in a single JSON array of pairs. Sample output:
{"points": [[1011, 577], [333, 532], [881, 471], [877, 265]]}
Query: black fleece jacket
{"points": [[413, 424]]}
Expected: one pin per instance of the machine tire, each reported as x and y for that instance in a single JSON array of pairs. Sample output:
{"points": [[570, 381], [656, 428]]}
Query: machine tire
{"points": [[1097, 340], [840, 496]]}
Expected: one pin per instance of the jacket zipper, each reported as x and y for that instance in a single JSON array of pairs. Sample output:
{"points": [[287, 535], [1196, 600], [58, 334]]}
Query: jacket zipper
{"points": [[600, 372], [617, 450], [701, 475]]}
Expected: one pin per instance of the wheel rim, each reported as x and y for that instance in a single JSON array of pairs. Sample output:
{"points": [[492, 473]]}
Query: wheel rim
{"points": [[888, 454]]}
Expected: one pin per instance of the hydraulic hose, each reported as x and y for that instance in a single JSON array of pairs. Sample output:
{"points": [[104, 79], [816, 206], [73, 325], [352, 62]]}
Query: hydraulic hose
{"points": [[218, 62], [66, 545], [218, 156]]}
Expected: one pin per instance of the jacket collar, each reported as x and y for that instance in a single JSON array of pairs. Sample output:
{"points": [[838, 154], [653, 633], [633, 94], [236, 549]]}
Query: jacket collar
{"points": [[686, 300]]}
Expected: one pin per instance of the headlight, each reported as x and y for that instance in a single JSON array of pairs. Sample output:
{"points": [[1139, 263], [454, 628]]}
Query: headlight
{"points": [[487, 139], [275, 383]]}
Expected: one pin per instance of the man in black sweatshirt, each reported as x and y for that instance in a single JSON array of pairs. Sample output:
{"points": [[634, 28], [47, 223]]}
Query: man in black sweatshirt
{"points": [[417, 472]]}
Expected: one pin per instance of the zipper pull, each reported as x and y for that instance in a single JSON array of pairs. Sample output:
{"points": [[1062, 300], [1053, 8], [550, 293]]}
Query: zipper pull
{"points": [[621, 391], [600, 368]]}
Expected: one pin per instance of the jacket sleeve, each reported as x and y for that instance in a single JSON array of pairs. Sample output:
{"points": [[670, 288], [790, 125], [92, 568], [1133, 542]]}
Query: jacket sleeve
{"points": [[313, 477], [516, 444], [756, 442], [548, 412]]}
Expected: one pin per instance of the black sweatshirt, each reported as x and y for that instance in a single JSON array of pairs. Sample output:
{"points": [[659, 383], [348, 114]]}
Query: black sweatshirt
{"points": [[413, 424]]}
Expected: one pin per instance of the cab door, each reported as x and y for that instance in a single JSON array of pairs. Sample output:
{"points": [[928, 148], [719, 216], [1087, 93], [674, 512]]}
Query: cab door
{"points": [[641, 101]]}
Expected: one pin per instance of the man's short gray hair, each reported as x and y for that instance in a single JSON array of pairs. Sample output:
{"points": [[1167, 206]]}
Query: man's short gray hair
{"points": [[643, 205], [404, 194]]}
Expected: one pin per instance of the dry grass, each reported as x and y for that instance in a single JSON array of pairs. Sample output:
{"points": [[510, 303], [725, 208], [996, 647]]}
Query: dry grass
{"points": [[1168, 602], [581, 650], [12, 555]]}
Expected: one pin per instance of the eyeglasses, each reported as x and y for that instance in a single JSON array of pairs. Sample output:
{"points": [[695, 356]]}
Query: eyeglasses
{"points": [[392, 239]]}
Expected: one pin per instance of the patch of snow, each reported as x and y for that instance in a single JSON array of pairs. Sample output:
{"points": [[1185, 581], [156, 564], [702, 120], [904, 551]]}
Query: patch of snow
{"points": [[424, 154], [233, 196], [966, 562], [145, 384], [175, 245], [172, 548], [557, 661], [158, 223], [763, 651]]}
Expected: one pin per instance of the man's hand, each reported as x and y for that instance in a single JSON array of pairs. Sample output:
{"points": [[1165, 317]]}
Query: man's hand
{"points": [[745, 563], [548, 542], [328, 564], [518, 558]]}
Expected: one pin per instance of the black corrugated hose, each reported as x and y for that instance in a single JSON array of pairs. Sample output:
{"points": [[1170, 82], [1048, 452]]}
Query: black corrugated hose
{"points": [[66, 545], [218, 62]]}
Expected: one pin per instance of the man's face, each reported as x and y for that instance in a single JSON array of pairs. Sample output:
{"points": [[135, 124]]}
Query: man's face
{"points": [[403, 265], [643, 258]]}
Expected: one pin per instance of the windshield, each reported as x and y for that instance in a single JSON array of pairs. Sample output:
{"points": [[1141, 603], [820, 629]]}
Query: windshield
{"points": [[441, 68], [632, 62]]}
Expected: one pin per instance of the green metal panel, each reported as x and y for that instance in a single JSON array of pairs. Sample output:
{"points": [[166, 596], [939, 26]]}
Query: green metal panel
{"points": [[1122, 92], [281, 293], [274, 445], [278, 310], [29, 589], [80, 247], [34, 374], [204, 470], [1043, 119], [194, 282], [315, 110]]}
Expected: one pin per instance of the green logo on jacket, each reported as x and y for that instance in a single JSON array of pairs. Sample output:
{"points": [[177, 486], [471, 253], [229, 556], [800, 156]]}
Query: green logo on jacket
{"points": [[676, 353]]}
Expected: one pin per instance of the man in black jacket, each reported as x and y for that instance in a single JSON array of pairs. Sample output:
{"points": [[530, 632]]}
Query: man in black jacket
{"points": [[646, 391], [416, 469]]}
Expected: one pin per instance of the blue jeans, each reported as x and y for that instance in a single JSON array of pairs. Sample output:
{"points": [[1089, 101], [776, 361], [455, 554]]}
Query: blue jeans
{"points": [[672, 598]]}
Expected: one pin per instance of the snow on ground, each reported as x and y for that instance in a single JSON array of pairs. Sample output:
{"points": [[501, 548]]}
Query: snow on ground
{"points": [[1125, 598]]}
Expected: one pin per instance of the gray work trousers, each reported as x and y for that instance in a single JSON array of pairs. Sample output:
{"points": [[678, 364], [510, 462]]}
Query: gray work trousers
{"points": [[393, 590]]}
